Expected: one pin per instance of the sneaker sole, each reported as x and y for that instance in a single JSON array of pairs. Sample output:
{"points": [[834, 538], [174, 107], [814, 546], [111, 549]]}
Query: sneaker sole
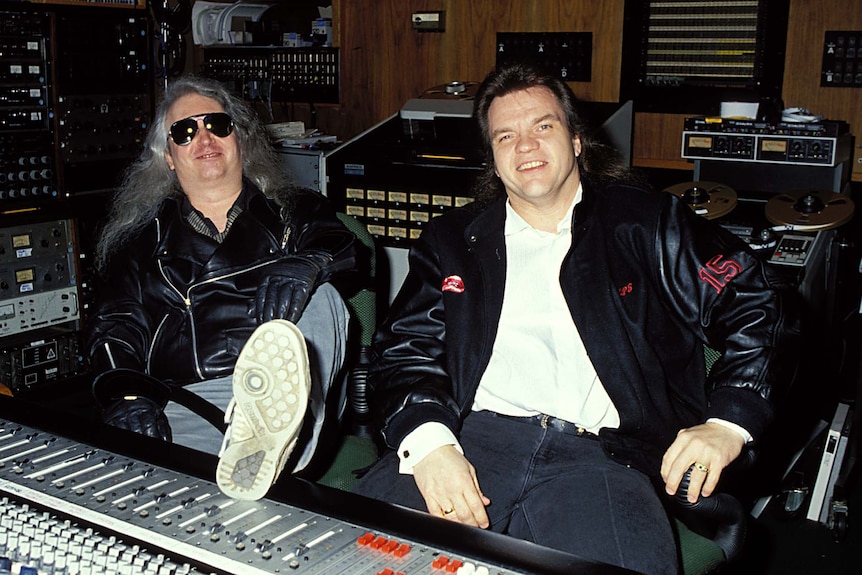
{"points": [[271, 383]]}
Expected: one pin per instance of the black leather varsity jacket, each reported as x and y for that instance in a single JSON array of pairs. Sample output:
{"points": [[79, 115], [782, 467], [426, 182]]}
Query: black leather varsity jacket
{"points": [[647, 283]]}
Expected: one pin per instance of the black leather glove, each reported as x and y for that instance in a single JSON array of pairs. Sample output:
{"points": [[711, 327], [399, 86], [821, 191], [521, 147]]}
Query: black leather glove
{"points": [[288, 287], [139, 414], [134, 401]]}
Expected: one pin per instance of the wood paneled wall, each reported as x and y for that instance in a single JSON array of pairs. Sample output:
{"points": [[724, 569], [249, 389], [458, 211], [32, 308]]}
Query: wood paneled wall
{"points": [[384, 62], [809, 19]]}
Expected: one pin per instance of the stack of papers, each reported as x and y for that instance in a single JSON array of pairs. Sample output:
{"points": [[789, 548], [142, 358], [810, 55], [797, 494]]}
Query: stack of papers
{"points": [[285, 130]]}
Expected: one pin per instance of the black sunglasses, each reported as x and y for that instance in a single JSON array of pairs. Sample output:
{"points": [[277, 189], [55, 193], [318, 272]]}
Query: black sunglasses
{"points": [[218, 123]]}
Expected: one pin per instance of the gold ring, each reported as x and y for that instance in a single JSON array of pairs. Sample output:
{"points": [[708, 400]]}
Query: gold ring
{"points": [[449, 511], [701, 467]]}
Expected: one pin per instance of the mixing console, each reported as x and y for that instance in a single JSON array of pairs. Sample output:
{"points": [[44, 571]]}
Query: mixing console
{"points": [[70, 507]]}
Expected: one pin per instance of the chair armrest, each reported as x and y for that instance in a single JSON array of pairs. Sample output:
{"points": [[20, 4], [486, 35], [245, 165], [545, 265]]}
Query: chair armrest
{"points": [[357, 393], [719, 517]]}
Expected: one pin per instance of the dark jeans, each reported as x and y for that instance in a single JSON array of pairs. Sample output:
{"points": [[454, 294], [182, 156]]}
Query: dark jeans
{"points": [[553, 489]]}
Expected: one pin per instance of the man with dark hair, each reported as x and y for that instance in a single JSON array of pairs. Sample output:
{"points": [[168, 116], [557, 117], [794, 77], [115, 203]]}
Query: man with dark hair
{"points": [[542, 369], [216, 293]]}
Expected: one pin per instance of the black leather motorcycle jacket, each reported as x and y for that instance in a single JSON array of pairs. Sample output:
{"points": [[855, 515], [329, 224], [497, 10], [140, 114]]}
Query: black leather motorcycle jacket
{"points": [[175, 304], [647, 282]]}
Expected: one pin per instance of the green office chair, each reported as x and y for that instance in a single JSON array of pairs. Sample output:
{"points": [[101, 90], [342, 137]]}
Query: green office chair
{"points": [[712, 531], [358, 449]]}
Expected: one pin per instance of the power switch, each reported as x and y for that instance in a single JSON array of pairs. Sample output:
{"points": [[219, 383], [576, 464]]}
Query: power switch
{"points": [[429, 21]]}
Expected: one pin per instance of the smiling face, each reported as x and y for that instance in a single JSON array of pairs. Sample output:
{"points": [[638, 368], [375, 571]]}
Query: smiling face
{"points": [[208, 163], [535, 156]]}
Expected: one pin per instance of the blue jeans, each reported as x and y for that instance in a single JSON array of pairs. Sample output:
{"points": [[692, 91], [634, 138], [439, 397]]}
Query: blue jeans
{"points": [[554, 489], [324, 326]]}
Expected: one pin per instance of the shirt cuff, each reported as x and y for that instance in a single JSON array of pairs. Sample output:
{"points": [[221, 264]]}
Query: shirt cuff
{"points": [[737, 428], [422, 441]]}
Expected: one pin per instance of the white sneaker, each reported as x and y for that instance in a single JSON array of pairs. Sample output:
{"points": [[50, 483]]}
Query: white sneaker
{"points": [[271, 383]]}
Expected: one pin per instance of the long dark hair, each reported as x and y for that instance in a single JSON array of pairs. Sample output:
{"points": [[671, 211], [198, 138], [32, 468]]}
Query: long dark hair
{"points": [[600, 161]]}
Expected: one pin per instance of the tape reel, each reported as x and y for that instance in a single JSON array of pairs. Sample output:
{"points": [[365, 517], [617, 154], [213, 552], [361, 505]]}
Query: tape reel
{"points": [[453, 91], [809, 210], [708, 199]]}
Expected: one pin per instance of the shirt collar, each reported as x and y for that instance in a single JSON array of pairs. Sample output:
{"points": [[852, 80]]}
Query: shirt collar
{"points": [[516, 224], [203, 225]]}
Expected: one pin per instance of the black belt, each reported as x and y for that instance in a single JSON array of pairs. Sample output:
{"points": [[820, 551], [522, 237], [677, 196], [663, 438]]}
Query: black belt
{"points": [[552, 423]]}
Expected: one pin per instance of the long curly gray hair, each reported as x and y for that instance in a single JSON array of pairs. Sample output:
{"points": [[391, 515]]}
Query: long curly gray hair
{"points": [[148, 181]]}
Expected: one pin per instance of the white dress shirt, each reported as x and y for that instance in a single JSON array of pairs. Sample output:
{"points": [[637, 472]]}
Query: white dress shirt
{"points": [[538, 364]]}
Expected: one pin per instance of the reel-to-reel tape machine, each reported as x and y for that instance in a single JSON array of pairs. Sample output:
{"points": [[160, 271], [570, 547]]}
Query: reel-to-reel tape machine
{"points": [[776, 187], [790, 220]]}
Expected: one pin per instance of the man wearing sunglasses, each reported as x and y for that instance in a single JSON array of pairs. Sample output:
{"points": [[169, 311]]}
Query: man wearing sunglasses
{"points": [[218, 297]]}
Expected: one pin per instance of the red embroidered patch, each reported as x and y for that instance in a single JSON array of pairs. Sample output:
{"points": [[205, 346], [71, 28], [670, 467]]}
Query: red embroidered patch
{"points": [[718, 272], [625, 290], [453, 284]]}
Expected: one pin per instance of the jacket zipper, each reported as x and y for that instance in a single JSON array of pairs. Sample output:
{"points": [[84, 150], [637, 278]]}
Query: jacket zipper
{"points": [[187, 301], [285, 237], [153, 342], [187, 298]]}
